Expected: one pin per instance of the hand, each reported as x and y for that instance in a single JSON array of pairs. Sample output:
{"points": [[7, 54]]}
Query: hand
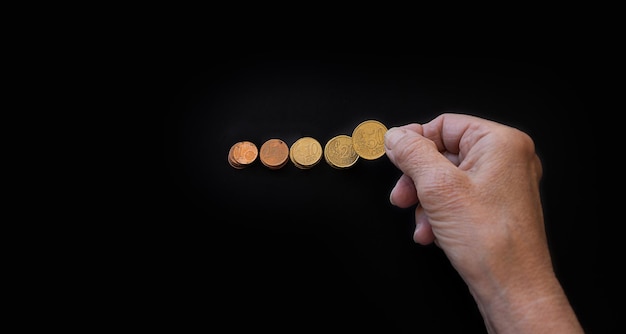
{"points": [[475, 184]]}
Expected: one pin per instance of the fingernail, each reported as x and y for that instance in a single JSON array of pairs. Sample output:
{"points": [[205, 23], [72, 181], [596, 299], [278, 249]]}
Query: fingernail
{"points": [[391, 197], [392, 136]]}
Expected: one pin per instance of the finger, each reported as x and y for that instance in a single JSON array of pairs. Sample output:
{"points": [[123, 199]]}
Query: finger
{"points": [[415, 155], [423, 230], [403, 194], [454, 158], [456, 133], [415, 127]]}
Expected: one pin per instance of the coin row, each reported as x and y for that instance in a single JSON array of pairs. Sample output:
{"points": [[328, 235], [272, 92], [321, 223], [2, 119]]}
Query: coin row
{"points": [[341, 151]]}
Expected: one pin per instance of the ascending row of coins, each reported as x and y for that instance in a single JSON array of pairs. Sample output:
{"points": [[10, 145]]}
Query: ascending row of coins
{"points": [[341, 151]]}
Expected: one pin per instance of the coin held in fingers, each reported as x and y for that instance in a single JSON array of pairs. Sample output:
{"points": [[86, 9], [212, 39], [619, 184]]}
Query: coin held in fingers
{"points": [[368, 139]]}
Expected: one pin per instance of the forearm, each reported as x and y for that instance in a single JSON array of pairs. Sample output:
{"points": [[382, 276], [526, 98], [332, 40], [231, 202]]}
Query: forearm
{"points": [[537, 306]]}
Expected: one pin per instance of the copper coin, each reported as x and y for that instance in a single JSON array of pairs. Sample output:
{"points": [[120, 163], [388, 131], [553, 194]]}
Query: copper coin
{"points": [[274, 153], [245, 152], [231, 159]]}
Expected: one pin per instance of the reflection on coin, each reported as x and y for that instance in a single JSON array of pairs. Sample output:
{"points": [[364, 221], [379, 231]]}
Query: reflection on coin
{"points": [[274, 153], [242, 154], [368, 139], [339, 152], [305, 153]]}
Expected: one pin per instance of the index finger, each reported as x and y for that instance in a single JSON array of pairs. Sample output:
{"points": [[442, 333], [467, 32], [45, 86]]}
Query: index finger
{"points": [[456, 133]]}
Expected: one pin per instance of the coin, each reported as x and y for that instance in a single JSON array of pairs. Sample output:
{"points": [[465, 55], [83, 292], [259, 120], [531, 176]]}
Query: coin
{"points": [[244, 153], [231, 159], [274, 153], [339, 152], [305, 152], [368, 139]]}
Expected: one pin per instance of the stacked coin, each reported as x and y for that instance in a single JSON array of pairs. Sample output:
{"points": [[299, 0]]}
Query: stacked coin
{"points": [[242, 154], [305, 152], [368, 139], [274, 153], [339, 152]]}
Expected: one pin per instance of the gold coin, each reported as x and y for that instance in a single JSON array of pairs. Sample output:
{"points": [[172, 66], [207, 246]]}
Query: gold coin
{"points": [[339, 152], [305, 152], [274, 153], [368, 139]]}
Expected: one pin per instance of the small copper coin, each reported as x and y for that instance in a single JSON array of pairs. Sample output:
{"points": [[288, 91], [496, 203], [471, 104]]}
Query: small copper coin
{"points": [[242, 154], [231, 159], [274, 153], [245, 152]]}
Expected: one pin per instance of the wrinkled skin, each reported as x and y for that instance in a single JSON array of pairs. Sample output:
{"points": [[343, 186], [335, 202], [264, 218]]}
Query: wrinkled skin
{"points": [[476, 186]]}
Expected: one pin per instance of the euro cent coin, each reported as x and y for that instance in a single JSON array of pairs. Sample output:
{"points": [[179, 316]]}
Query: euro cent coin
{"points": [[245, 152], [339, 152], [274, 153], [368, 139], [231, 158], [305, 152]]}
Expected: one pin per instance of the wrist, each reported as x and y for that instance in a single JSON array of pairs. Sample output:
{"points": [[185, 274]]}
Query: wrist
{"points": [[531, 303]]}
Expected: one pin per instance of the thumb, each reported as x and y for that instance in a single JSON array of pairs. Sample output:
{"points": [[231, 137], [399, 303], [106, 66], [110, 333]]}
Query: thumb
{"points": [[441, 188]]}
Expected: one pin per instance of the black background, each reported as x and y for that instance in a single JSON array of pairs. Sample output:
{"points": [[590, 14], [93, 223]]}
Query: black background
{"points": [[295, 250]]}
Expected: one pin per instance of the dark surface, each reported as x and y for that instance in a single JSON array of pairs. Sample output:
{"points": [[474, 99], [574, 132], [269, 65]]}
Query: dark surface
{"points": [[293, 250]]}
